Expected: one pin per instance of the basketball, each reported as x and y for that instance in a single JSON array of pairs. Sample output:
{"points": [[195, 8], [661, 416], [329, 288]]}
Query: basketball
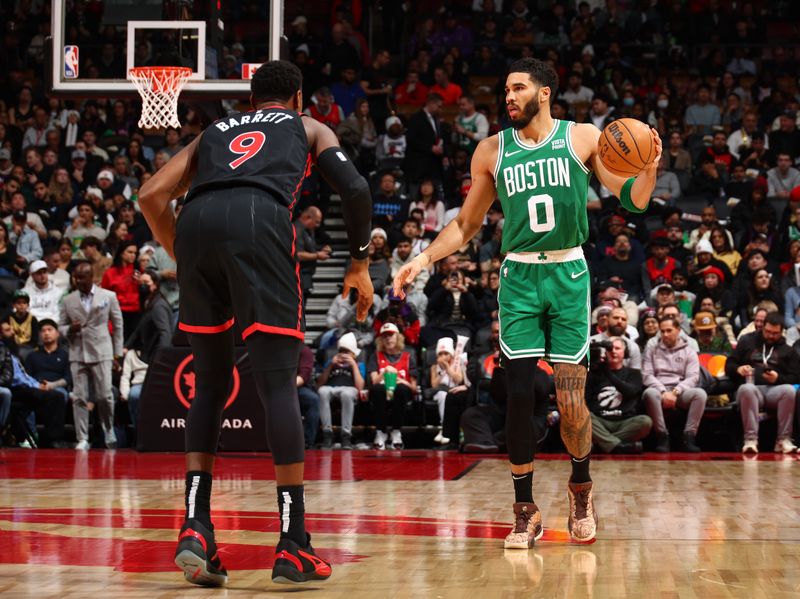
{"points": [[626, 147]]}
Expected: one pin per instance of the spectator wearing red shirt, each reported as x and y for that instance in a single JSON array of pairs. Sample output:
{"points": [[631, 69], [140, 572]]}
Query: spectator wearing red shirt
{"points": [[412, 91], [723, 159], [123, 279], [449, 91]]}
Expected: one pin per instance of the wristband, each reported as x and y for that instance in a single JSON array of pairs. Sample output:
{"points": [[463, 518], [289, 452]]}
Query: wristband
{"points": [[625, 197]]}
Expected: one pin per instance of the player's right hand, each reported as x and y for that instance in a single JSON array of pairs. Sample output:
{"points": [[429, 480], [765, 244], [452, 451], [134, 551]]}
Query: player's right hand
{"points": [[358, 278], [406, 275]]}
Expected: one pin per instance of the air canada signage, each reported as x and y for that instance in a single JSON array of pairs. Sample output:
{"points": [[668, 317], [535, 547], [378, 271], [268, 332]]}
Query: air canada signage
{"points": [[170, 389]]}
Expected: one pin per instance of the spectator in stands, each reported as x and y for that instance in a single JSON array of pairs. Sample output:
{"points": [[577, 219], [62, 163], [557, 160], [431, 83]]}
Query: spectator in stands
{"points": [[403, 254], [706, 182], [671, 374], [786, 140], [704, 258], [659, 266], [83, 226], [389, 206], [34, 136], [131, 382], [766, 369], [307, 253], [26, 240], [90, 248], [390, 150], [449, 387], [453, 303], [575, 92], [449, 92], [343, 379], [24, 325], [762, 287], [412, 91], [709, 338], [601, 114], [390, 357], [341, 318], [379, 257], [401, 312], [703, 115], [58, 277], [678, 160], [723, 250], [33, 220], [49, 363], [307, 396], [163, 268], [325, 110], [137, 227], [668, 188], [377, 84], [154, 329], [714, 288], [123, 279], [612, 396], [432, 207], [648, 328], [674, 312], [740, 140], [617, 327], [44, 296], [347, 90], [783, 178], [722, 157], [425, 142], [470, 125], [620, 269]]}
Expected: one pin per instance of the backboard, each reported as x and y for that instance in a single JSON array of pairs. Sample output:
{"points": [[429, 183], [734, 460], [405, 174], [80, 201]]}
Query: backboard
{"points": [[96, 42]]}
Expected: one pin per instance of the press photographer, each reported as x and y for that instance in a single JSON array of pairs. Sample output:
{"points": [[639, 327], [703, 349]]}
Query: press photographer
{"points": [[612, 395]]}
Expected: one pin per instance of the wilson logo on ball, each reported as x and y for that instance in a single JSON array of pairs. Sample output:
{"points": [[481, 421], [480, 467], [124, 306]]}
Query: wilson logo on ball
{"points": [[616, 133]]}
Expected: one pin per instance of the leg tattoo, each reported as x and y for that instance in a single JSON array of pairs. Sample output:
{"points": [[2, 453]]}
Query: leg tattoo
{"points": [[576, 423]]}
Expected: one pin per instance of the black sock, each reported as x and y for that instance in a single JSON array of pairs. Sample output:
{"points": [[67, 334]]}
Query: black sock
{"points": [[291, 512], [198, 497], [523, 487], [580, 469]]}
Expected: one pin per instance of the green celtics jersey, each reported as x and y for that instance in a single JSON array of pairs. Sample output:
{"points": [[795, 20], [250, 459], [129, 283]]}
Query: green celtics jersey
{"points": [[543, 190]]}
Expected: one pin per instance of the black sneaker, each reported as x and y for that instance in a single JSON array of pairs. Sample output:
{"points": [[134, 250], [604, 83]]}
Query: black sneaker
{"points": [[197, 555], [347, 441], [295, 564], [327, 439]]}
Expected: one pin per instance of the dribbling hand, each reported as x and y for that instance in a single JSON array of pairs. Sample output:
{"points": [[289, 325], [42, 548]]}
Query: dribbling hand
{"points": [[357, 278]]}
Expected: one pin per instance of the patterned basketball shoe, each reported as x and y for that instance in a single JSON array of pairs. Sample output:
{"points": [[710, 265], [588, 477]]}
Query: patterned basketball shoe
{"points": [[197, 555], [582, 522], [527, 527], [295, 564]]}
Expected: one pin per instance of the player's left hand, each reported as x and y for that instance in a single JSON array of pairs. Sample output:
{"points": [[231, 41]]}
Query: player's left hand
{"points": [[657, 145], [358, 278]]}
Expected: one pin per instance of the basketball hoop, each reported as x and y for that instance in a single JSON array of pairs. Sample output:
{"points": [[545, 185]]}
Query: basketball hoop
{"points": [[159, 88]]}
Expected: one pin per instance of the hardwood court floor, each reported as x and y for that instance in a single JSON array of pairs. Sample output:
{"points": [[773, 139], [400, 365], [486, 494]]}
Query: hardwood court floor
{"points": [[404, 524]]}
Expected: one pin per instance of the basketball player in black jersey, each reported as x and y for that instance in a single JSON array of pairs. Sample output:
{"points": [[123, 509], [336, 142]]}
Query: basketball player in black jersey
{"points": [[235, 247]]}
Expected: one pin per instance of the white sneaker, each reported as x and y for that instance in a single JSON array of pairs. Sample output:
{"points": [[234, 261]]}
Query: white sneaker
{"points": [[25, 445], [438, 438], [82, 445], [785, 446], [751, 446], [397, 439], [380, 440]]}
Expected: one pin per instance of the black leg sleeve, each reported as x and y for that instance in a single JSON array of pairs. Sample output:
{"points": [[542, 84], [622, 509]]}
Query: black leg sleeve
{"points": [[520, 432], [274, 360], [213, 370]]}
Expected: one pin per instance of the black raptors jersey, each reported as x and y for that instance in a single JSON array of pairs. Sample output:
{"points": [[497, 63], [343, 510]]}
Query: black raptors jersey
{"points": [[265, 148]]}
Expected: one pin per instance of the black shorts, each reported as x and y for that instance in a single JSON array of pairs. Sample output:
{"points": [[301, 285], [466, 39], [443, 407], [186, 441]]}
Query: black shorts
{"points": [[235, 250]]}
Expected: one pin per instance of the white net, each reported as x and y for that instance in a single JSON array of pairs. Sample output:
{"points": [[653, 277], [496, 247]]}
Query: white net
{"points": [[159, 88]]}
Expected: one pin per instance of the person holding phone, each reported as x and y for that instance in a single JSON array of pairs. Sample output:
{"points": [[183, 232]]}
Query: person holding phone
{"points": [[766, 368]]}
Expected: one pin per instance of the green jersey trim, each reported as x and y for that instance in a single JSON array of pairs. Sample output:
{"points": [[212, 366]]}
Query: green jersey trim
{"points": [[526, 146], [500, 144], [572, 150]]}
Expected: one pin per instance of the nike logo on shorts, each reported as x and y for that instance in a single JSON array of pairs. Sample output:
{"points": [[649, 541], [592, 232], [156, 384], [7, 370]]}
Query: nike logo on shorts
{"points": [[363, 247], [512, 153], [575, 275]]}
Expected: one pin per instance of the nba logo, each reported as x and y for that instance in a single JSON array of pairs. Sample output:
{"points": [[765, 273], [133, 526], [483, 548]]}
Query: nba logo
{"points": [[70, 62]]}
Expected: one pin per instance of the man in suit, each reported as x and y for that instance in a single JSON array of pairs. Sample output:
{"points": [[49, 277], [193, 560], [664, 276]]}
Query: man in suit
{"points": [[425, 142], [92, 351]]}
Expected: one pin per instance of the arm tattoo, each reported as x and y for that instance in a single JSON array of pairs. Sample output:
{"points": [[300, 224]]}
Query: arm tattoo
{"points": [[576, 424]]}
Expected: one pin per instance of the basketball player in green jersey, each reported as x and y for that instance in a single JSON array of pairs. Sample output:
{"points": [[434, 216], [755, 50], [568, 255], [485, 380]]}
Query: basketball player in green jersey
{"points": [[540, 169]]}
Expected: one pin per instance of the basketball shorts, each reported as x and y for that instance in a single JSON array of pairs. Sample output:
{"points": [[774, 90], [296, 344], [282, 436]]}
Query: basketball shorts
{"points": [[235, 250], [544, 301]]}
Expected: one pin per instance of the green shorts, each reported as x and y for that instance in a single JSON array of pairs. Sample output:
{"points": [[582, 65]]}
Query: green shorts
{"points": [[545, 307]]}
